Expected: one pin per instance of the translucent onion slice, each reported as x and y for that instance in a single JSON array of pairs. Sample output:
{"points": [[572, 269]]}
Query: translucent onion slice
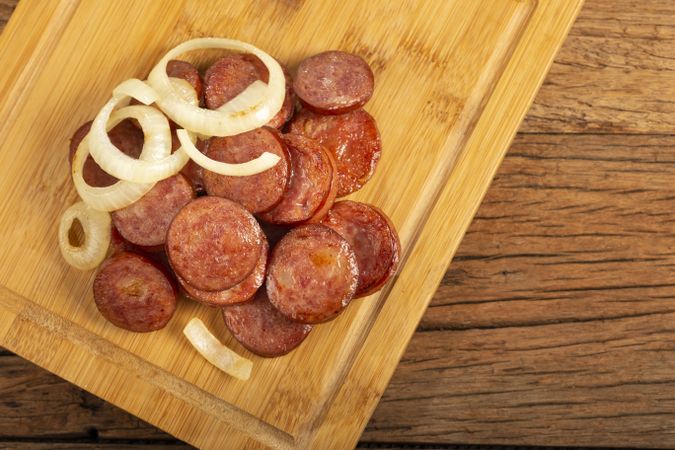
{"points": [[215, 352], [122, 193], [213, 122], [260, 164], [247, 99], [185, 91], [161, 163], [137, 89], [96, 226]]}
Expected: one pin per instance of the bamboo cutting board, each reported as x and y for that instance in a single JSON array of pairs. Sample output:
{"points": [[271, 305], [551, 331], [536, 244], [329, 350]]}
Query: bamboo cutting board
{"points": [[453, 80]]}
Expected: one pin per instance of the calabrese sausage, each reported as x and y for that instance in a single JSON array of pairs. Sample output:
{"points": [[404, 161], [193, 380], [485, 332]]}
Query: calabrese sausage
{"points": [[262, 329], [312, 274], [373, 239], [334, 82], [134, 293], [213, 243]]}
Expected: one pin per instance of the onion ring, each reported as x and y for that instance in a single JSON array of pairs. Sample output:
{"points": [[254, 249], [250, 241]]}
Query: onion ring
{"points": [[213, 122]]}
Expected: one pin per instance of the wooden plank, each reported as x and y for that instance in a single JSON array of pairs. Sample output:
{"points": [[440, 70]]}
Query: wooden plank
{"points": [[39, 405], [615, 73], [587, 233], [557, 311], [134, 372]]}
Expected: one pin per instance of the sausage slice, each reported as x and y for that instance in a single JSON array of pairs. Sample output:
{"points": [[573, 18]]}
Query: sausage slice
{"points": [[312, 274]]}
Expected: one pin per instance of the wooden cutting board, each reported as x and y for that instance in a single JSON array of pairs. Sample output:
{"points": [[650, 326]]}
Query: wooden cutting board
{"points": [[453, 80]]}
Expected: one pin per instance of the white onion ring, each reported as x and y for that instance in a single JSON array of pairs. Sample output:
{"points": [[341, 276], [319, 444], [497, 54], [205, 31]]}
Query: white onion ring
{"points": [[215, 352], [122, 193], [212, 122], [260, 164], [96, 226], [185, 91], [135, 88], [161, 164]]}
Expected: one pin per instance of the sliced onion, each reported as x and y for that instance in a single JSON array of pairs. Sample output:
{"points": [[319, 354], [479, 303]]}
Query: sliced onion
{"points": [[137, 89], [96, 226], [213, 122], [260, 164], [215, 352], [161, 163], [122, 193], [185, 91], [247, 99]]}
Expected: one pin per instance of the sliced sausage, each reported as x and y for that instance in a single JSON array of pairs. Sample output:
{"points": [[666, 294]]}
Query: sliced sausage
{"points": [[183, 69], [263, 330], [329, 199], [133, 293], [234, 72], [213, 243], [393, 267], [257, 193], [125, 136], [310, 183], [118, 244], [288, 107], [146, 221], [312, 274], [334, 82], [239, 293], [353, 139], [373, 239]]}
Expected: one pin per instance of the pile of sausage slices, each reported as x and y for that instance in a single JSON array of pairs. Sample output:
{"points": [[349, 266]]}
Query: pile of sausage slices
{"points": [[275, 249]]}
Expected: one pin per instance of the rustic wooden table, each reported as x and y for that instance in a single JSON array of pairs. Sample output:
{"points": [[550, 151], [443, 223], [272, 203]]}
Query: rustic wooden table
{"points": [[555, 323]]}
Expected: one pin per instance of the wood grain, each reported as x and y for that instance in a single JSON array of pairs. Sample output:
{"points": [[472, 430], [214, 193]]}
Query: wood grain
{"points": [[557, 311], [615, 74], [44, 316]]}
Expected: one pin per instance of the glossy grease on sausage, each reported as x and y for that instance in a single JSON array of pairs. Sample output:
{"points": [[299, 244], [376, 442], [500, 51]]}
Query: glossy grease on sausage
{"points": [[354, 140], [312, 274], [372, 238], [310, 183]]}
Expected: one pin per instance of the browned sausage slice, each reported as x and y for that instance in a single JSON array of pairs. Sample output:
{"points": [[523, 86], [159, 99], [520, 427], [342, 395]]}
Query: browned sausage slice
{"points": [[237, 294], [353, 139], [146, 221], [259, 327], [231, 74], [134, 293], [368, 231], [183, 69], [329, 199], [125, 136], [393, 267], [257, 193], [213, 243], [312, 275], [334, 82], [310, 183]]}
